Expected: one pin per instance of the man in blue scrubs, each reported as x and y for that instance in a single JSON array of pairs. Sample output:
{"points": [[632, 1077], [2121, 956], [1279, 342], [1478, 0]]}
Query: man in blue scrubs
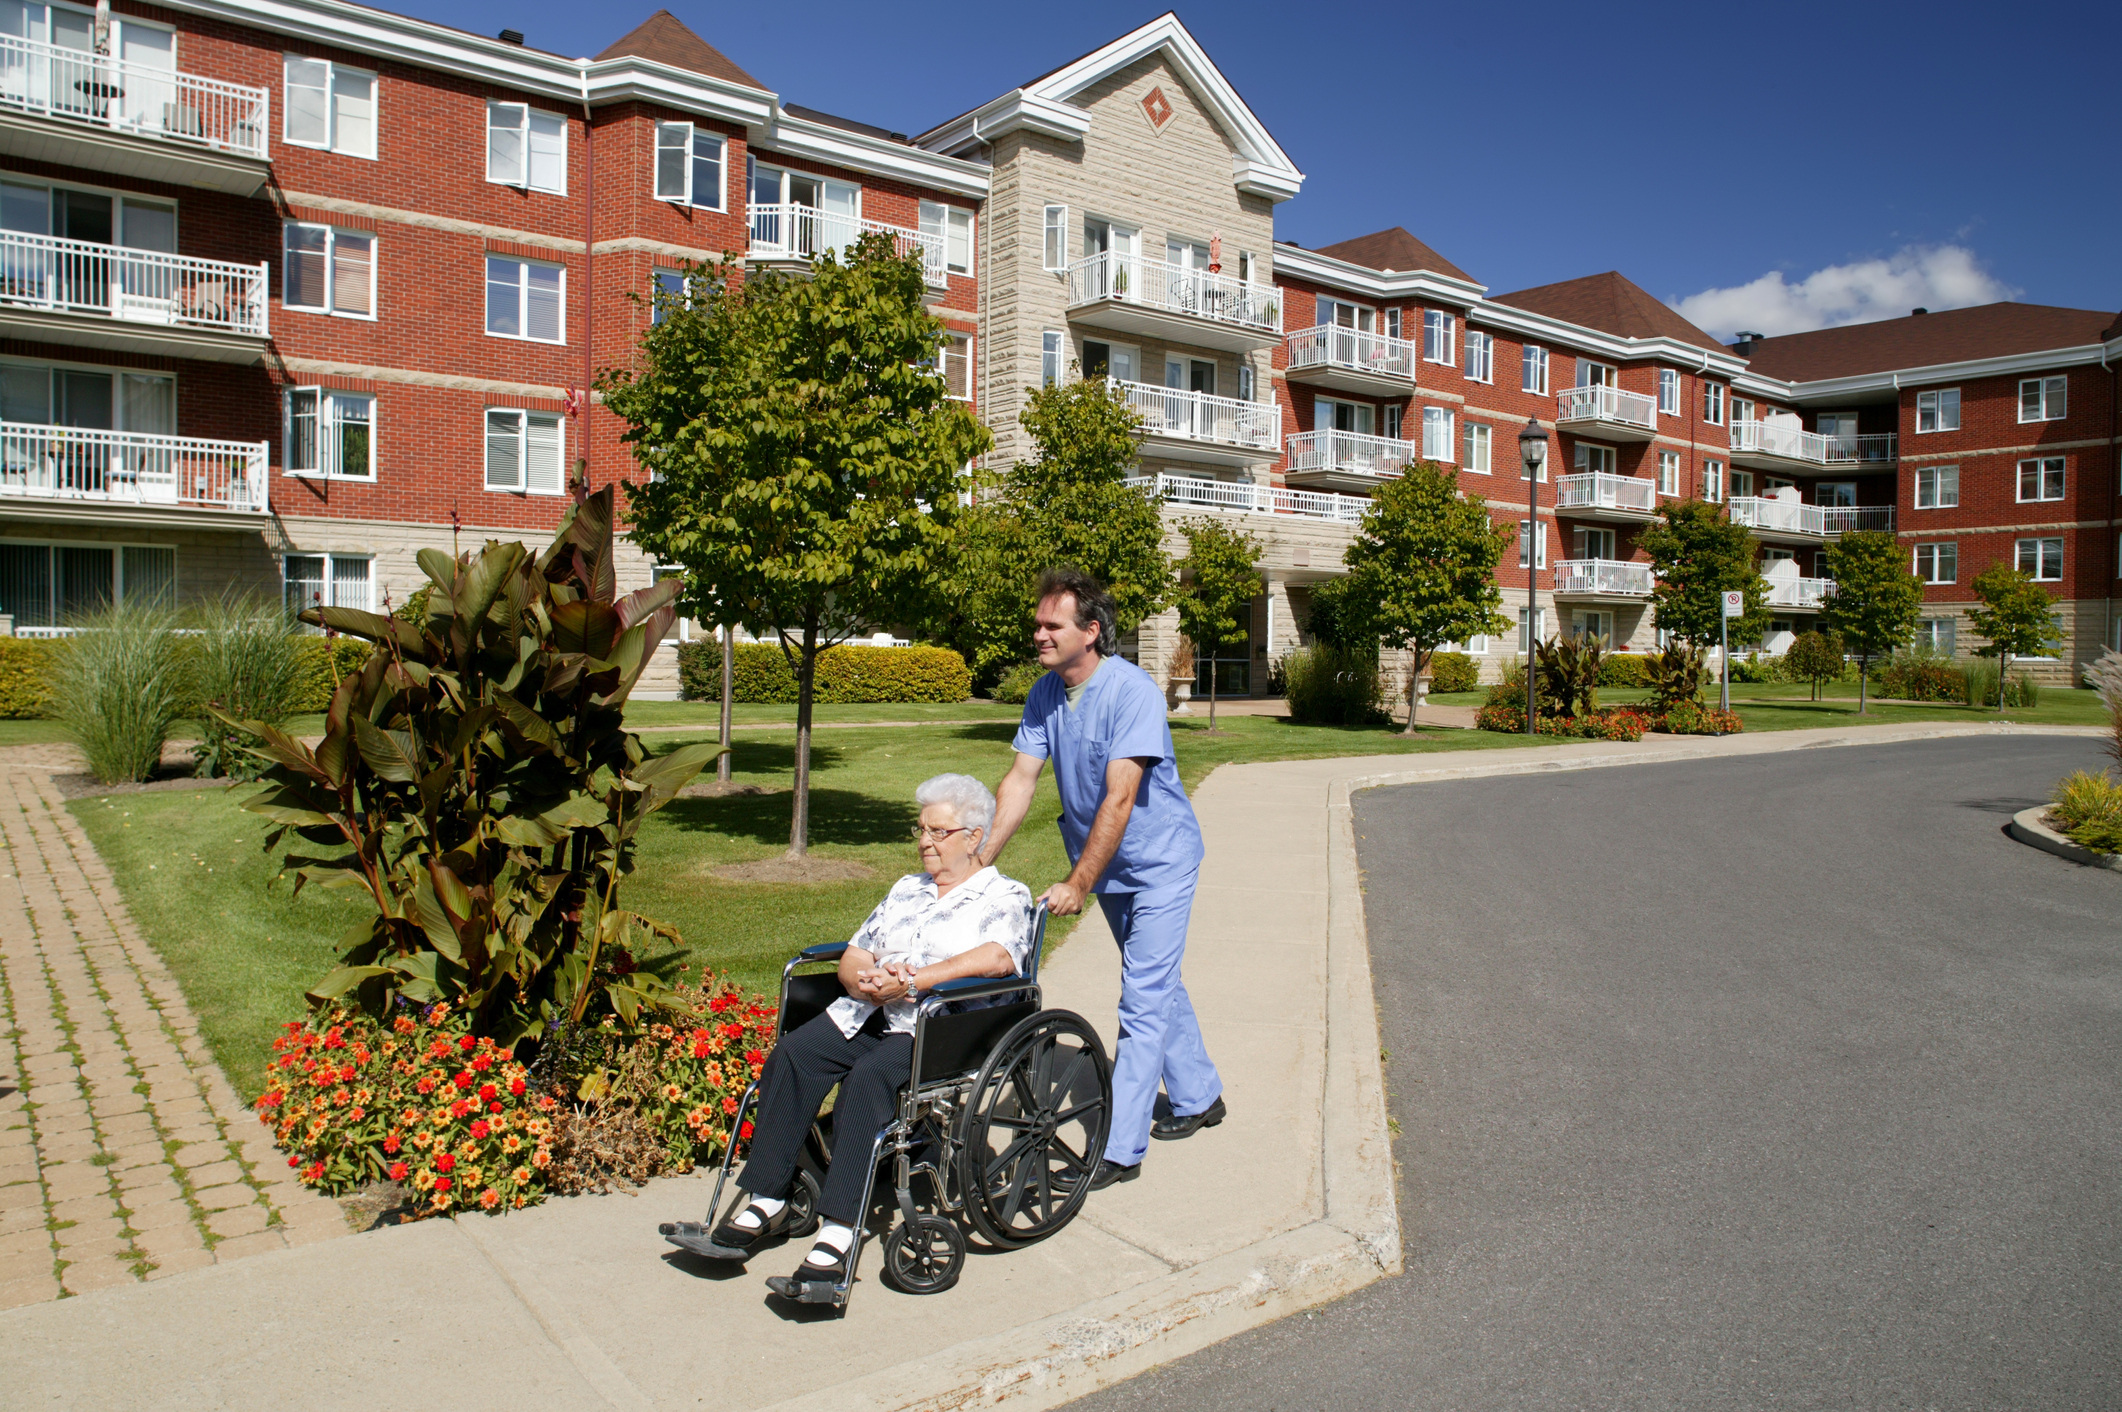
{"points": [[1131, 834]]}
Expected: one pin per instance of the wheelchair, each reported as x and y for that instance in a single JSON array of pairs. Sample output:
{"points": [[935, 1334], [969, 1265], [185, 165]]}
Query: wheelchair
{"points": [[1003, 1123]]}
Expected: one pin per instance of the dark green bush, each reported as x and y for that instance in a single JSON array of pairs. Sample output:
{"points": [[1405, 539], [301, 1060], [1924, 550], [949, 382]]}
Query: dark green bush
{"points": [[326, 661], [1333, 688], [847, 674], [1017, 681], [1453, 671], [1622, 670], [1919, 676], [25, 678]]}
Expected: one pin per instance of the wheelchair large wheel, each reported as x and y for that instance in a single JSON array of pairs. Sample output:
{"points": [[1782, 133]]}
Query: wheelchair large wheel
{"points": [[803, 1205], [1034, 1127], [924, 1255]]}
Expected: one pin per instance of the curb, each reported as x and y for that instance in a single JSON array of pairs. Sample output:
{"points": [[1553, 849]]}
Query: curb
{"points": [[2026, 826]]}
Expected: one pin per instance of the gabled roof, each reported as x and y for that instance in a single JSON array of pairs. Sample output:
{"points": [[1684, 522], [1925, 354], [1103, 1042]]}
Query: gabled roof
{"points": [[663, 38], [1047, 105], [845, 124], [1927, 340], [1394, 251], [1611, 304]]}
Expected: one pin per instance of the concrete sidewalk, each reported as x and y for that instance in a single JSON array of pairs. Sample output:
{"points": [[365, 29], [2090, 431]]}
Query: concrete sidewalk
{"points": [[579, 1303]]}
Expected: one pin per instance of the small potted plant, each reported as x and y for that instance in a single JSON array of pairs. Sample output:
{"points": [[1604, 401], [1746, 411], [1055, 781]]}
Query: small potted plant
{"points": [[1180, 676]]}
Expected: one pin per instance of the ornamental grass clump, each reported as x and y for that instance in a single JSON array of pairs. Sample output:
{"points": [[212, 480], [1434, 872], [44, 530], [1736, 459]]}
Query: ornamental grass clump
{"points": [[119, 682], [249, 664], [2087, 808]]}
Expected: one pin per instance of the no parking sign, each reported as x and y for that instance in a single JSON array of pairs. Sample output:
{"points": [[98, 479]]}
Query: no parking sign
{"points": [[1735, 603]]}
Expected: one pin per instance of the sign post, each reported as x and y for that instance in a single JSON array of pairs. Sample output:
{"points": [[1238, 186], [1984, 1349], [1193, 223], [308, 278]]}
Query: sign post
{"points": [[1734, 607]]}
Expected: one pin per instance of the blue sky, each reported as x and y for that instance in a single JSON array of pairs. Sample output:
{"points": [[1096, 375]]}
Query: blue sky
{"points": [[1773, 167]]}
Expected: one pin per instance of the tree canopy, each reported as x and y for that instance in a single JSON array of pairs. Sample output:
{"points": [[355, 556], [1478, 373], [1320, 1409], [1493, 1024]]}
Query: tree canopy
{"points": [[1697, 556], [1216, 601], [1876, 599], [2016, 615]]}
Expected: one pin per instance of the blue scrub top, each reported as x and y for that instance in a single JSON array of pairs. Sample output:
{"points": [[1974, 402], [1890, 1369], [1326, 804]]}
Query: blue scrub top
{"points": [[1120, 714]]}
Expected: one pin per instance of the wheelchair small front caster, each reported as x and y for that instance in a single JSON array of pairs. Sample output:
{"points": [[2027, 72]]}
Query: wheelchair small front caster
{"points": [[924, 1255]]}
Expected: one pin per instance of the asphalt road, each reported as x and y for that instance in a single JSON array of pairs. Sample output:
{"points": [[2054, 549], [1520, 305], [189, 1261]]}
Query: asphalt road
{"points": [[1785, 1082]]}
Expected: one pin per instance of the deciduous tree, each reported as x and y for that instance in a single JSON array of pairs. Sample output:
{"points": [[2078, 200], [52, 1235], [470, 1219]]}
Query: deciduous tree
{"points": [[1816, 657], [1875, 602], [2017, 617], [1220, 583]]}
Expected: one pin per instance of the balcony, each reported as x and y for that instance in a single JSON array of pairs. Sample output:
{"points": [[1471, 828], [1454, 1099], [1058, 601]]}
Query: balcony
{"points": [[1771, 446], [1805, 595], [1596, 495], [1351, 360], [1199, 426], [118, 477], [1175, 303], [137, 301], [1844, 519], [785, 233], [1881, 449], [1602, 579], [1345, 460], [106, 114], [1606, 414], [1246, 498], [1771, 517]]}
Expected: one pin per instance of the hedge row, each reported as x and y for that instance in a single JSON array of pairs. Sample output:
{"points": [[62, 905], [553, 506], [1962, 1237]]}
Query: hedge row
{"points": [[25, 673], [847, 675]]}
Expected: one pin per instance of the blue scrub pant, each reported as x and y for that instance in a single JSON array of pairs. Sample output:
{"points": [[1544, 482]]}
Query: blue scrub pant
{"points": [[1159, 1037]]}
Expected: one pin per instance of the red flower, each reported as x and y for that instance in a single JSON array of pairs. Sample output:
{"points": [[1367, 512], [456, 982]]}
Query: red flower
{"points": [[493, 1107], [467, 1043], [294, 1161], [426, 1085], [487, 1093], [442, 1184], [755, 1057], [479, 1128], [397, 1171], [333, 1039], [391, 1145], [445, 1162], [515, 1086], [483, 1063], [744, 1131], [459, 1108], [463, 1079], [729, 1105]]}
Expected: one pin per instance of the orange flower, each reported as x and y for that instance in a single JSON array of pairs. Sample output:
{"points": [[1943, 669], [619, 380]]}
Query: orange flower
{"points": [[489, 1198]]}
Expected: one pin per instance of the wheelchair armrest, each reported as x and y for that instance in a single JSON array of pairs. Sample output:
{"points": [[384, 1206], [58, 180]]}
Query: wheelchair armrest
{"points": [[978, 987], [823, 951]]}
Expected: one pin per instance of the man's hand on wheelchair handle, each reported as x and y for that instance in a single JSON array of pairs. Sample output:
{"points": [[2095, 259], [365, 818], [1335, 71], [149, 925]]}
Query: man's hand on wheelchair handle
{"points": [[1063, 899]]}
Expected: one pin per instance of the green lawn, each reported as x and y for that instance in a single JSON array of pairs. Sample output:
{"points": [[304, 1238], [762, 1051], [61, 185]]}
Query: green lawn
{"points": [[190, 865], [1778, 706]]}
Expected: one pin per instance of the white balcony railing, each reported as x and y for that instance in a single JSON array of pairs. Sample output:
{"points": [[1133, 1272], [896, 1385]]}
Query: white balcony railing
{"points": [[1772, 439], [1842, 519], [1790, 517], [1174, 289], [1349, 451], [1201, 416], [1597, 490], [786, 231], [1245, 498], [129, 97], [1332, 346], [40, 462], [1603, 576], [1798, 593], [1877, 449], [141, 286], [1606, 404]]}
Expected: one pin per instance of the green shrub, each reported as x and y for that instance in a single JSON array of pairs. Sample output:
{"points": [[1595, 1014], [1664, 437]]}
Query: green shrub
{"points": [[1615, 723], [1328, 687], [1754, 670], [1922, 676], [1675, 676], [1016, 683], [1814, 658], [1979, 685], [25, 678], [2087, 808], [1453, 671], [1691, 718], [247, 660], [325, 662], [847, 674], [118, 685], [1622, 670]]}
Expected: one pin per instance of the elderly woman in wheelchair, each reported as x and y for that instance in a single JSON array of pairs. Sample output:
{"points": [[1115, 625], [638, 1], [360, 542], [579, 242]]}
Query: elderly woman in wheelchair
{"points": [[945, 1064]]}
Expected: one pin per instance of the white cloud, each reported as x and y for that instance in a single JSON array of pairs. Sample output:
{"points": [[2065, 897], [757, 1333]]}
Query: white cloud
{"points": [[1916, 276]]}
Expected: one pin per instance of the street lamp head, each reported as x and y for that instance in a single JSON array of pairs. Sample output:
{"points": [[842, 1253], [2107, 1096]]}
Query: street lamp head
{"points": [[1532, 445]]}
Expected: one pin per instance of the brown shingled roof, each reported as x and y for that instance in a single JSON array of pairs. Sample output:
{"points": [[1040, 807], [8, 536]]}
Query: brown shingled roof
{"points": [[1609, 303], [1394, 250], [663, 38], [1925, 340]]}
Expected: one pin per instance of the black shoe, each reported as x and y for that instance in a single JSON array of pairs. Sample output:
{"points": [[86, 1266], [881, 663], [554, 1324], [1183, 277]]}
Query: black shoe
{"points": [[813, 1284], [727, 1241], [1175, 1127], [1110, 1172]]}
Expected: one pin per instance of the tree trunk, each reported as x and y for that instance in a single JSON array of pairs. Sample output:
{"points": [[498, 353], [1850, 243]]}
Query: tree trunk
{"points": [[1863, 682], [806, 677], [1211, 691], [2003, 666], [1414, 681], [729, 674]]}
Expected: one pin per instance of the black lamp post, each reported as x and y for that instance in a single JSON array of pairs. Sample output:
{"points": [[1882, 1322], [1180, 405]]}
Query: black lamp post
{"points": [[1532, 447]]}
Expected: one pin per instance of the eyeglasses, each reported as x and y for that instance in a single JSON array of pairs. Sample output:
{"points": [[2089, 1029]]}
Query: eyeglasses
{"points": [[923, 831]]}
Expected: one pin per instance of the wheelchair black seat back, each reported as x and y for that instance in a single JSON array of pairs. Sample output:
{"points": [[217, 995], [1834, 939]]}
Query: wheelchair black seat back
{"points": [[1005, 1118]]}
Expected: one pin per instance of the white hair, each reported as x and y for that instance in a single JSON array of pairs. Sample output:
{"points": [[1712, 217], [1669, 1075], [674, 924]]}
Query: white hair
{"points": [[965, 796]]}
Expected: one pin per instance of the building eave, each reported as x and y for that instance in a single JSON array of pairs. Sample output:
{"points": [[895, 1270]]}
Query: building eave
{"points": [[1893, 379], [801, 138], [1378, 284]]}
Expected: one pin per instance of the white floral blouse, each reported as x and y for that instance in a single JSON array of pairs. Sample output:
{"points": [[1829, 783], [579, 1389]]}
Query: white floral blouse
{"points": [[913, 925]]}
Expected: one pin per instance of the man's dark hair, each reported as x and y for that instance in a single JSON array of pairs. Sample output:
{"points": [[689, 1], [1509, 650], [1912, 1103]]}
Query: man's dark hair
{"points": [[1093, 603]]}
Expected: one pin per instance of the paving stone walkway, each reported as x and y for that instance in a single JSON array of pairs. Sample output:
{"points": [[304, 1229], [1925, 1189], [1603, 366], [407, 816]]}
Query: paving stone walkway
{"points": [[124, 1153]]}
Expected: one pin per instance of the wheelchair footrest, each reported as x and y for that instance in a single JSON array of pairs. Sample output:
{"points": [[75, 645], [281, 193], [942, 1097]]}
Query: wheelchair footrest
{"points": [[807, 1291], [693, 1236]]}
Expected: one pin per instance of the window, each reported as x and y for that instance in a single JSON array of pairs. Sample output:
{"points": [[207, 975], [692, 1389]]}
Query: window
{"points": [[1246, 388], [1590, 374], [98, 399], [526, 148], [669, 291], [1392, 323], [326, 270], [1713, 481], [1479, 443], [329, 580], [1937, 634], [1594, 543], [1533, 366], [689, 166], [1392, 421], [1480, 356], [953, 225], [1436, 434], [1536, 541], [1590, 623], [1110, 360], [1742, 410], [1539, 625], [1330, 414], [1937, 487], [1050, 358], [47, 585], [328, 434], [1668, 473], [2043, 399], [524, 299], [1668, 392], [1438, 329], [1938, 411], [1713, 403], [1594, 458], [2041, 478], [2041, 558], [1742, 482], [1938, 563], [1056, 249], [523, 451], [956, 355], [330, 106]]}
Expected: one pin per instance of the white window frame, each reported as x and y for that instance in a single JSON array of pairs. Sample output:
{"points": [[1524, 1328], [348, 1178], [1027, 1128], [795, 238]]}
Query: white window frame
{"points": [[955, 225], [1739, 482], [1713, 482], [1480, 449], [1713, 403], [1440, 330], [1590, 537], [120, 551], [1940, 635], [1053, 348], [1668, 473], [1668, 392], [1480, 356], [525, 422], [1439, 430], [1053, 249], [665, 286], [330, 580], [328, 412], [523, 298], [1390, 419], [333, 73], [1539, 545], [332, 236], [2039, 546], [1937, 487], [1533, 369], [1535, 620], [1942, 406], [683, 193], [2048, 474], [1392, 324], [2050, 399], [963, 342], [534, 130], [1938, 562]]}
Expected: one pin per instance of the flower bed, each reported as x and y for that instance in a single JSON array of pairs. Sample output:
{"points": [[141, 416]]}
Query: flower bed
{"points": [[1688, 719], [1616, 724]]}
